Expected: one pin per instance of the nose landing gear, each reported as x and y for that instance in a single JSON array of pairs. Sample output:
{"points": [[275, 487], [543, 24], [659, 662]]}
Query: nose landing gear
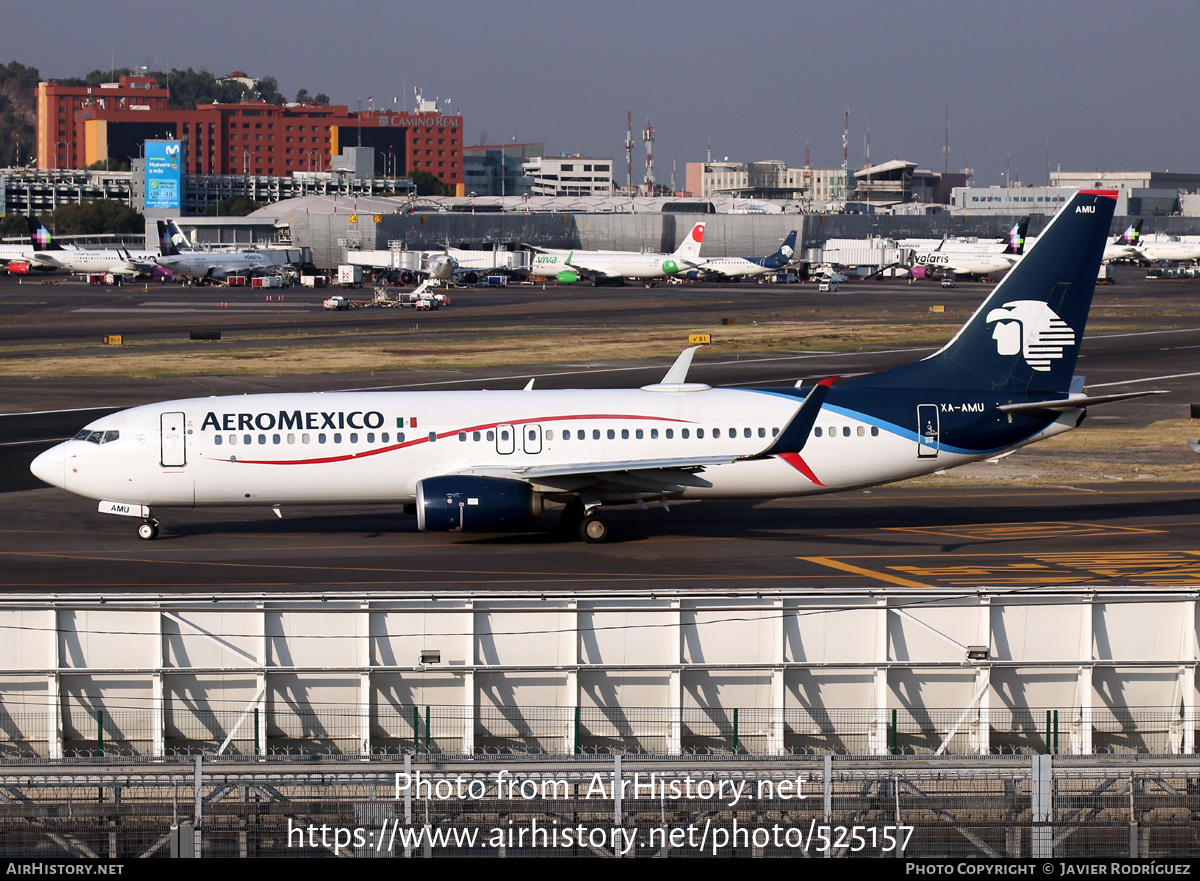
{"points": [[148, 529]]}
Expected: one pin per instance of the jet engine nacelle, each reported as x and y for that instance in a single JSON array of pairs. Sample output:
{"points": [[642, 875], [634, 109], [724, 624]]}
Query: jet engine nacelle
{"points": [[18, 268], [467, 503], [567, 276]]}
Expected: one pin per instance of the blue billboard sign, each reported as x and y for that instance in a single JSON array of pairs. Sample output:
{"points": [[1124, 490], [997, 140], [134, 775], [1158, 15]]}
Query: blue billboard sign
{"points": [[164, 175]]}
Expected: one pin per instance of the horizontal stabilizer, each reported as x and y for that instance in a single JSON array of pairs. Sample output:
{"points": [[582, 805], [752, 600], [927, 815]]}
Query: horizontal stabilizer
{"points": [[1072, 403]]}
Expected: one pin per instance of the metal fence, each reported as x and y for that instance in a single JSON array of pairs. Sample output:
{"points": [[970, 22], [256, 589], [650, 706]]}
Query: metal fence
{"points": [[820, 807], [396, 729]]}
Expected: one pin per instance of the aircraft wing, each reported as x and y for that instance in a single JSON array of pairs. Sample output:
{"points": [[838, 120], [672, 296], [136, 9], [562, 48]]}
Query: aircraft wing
{"points": [[635, 475], [585, 269]]}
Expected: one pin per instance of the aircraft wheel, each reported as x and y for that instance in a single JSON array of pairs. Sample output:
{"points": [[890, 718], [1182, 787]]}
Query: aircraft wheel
{"points": [[594, 528], [148, 530]]}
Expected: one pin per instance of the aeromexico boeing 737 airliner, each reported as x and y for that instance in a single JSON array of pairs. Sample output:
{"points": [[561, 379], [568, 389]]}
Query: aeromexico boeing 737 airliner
{"points": [[487, 460]]}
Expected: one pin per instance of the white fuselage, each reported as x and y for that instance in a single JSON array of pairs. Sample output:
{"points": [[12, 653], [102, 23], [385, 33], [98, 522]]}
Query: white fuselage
{"points": [[1154, 251], [97, 260], [966, 262], [358, 447], [213, 264], [612, 264], [733, 267]]}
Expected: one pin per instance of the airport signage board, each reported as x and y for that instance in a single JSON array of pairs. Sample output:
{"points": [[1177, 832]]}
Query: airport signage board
{"points": [[164, 175]]}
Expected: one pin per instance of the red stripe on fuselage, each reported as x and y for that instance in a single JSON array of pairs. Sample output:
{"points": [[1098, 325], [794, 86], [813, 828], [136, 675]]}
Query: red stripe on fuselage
{"points": [[424, 440]]}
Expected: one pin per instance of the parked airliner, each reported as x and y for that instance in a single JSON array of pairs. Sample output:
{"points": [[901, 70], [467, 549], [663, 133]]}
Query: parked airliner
{"points": [[736, 267], [48, 255], [488, 460], [207, 264], [979, 260], [601, 266]]}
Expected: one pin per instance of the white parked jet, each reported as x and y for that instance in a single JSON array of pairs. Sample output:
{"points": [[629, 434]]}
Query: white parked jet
{"points": [[47, 254], [487, 460], [981, 260], [1155, 251], [601, 266], [208, 264], [736, 267]]}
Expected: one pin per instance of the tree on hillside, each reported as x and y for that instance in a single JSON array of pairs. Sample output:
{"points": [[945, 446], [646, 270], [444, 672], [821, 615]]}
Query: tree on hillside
{"points": [[14, 226], [234, 206], [428, 185], [268, 91], [93, 218], [18, 114]]}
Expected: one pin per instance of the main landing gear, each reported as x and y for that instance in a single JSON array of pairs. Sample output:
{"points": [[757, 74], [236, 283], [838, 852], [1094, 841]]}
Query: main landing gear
{"points": [[148, 529], [590, 526]]}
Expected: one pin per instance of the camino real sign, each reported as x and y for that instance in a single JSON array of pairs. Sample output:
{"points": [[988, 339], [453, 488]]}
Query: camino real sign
{"points": [[164, 175]]}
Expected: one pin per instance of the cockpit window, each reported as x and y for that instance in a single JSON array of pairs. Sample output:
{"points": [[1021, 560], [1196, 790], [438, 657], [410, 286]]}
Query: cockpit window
{"points": [[97, 437]]}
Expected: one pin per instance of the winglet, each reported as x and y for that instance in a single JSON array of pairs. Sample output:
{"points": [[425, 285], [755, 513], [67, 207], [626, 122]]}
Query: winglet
{"points": [[795, 435], [679, 370]]}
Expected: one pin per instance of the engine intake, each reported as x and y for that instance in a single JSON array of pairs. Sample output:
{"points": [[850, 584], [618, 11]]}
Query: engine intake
{"points": [[466, 503]]}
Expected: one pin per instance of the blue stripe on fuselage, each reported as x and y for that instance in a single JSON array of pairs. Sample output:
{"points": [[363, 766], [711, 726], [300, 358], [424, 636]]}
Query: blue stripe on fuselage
{"points": [[1014, 436]]}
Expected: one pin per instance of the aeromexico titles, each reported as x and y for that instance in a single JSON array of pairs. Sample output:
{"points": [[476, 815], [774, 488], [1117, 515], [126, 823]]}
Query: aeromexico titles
{"points": [[490, 460]]}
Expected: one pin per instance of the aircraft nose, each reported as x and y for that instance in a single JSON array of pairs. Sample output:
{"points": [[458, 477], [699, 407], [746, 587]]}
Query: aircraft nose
{"points": [[50, 466]]}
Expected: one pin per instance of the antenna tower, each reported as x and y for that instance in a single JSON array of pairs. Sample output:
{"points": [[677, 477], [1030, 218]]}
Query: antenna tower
{"points": [[946, 149], [629, 150], [648, 137], [846, 143]]}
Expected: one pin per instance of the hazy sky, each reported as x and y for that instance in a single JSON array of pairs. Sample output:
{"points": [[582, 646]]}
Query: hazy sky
{"points": [[1097, 84]]}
